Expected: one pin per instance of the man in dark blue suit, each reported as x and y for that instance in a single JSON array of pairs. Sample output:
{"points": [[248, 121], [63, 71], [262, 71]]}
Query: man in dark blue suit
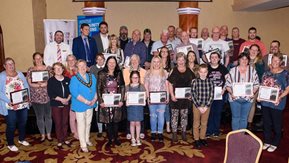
{"points": [[84, 47]]}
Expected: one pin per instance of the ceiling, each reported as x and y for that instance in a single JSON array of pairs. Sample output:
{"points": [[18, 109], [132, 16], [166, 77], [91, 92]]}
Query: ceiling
{"points": [[259, 5]]}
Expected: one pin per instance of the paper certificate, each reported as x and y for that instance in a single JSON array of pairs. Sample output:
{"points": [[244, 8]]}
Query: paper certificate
{"points": [[136, 98], [111, 100], [185, 49], [231, 45], [39, 76], [284, 61], [169, 46], [218, 93], [19, 97], [158, 97], [269, 94], [243, 89], [183, 93], [208, 54]]}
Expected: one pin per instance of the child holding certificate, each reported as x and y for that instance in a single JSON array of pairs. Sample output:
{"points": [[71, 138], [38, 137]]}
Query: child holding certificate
{"points": [[202, 96], [134, 109]]}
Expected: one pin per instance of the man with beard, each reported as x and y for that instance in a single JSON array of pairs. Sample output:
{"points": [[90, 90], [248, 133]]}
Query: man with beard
{"points": [[123, 37]]}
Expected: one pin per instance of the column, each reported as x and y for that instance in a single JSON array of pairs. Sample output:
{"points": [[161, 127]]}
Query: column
{"points": [[188, 15], [94, 8]]}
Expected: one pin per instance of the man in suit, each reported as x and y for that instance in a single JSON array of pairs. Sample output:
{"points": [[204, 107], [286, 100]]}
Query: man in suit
{"points": [[84, 47], [102, 38]]}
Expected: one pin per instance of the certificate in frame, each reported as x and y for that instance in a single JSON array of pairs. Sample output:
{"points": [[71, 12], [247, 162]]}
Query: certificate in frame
{"points": [[158, 97], [111, 100], [185, 49], [183, 93], [269, 94], [218, 93], [243, 89], [169, 46], [39, 76], [19, 96], [136, 98]]}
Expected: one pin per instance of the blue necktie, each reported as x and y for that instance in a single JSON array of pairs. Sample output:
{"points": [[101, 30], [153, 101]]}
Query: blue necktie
{"points": [[87, 50]]}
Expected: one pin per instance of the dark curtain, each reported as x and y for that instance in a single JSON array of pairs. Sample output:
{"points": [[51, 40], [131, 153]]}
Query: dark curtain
{"points": [[2, 55]]}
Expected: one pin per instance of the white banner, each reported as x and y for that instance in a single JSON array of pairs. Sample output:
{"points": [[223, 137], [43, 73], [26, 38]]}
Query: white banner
{"points": [[68, 27]]}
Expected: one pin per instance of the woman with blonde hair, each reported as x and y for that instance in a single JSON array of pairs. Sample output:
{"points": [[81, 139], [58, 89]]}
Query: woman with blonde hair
{"points": [[156, 80], [114, 48]]}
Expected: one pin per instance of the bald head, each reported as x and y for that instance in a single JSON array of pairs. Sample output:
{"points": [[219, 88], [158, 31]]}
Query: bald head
{"points": [[215, 33], [136, 35], [185, 37], [205, 33]]}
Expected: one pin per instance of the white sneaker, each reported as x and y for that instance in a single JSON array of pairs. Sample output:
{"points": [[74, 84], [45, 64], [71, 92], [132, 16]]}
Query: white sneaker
{"points": [[128, 136], [12, 148], [133, 143], [272, 148], [138, 142], [142, 135], [265, 146], [25, 143]]}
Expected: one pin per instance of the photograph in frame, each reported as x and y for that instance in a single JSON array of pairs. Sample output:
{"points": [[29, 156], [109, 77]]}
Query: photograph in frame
{"points": [[19, 97], [136, 98]]}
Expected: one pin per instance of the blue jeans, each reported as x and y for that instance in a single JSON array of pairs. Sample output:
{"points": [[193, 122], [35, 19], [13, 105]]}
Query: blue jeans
{"points": [[19, 118], [240, 110], [215, 117], [167, 114], [157, 119]]}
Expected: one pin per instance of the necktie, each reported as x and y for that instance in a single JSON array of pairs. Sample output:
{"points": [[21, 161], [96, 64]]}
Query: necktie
{"points": [[58, 53], [87, 50]]}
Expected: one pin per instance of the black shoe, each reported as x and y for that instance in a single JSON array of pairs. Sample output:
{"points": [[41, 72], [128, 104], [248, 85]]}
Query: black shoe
{"points": [[99, 135], [184, 137], [117, 142], [153, 137], [197, 144], [109, 143], [174, 137], [161, 137], [204, 142]]}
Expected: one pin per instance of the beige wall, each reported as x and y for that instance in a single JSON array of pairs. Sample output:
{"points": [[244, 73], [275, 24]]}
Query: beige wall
{"points": [[17, 24], [155, 15]]}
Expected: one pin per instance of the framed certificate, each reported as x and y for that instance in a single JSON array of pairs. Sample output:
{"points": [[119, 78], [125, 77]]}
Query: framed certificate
{"points": [[243, 89], [218, 93], [158, 97], [246, 49], [136, 98], [208, 54], [284, 61], [183, 93], [185, 49], [111, 100], [231, 45], [269, 94], [200, 44], [169, 46], [39, 76], [19, 97]]}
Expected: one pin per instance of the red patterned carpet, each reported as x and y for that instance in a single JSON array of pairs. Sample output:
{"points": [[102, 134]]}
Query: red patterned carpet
{"points": [[154, 152]]}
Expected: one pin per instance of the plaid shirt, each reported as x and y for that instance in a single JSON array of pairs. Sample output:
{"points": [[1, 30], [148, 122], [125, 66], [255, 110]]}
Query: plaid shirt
{"points": [[202, 92]]}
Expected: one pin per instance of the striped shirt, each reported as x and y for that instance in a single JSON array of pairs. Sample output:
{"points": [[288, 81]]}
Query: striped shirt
{"points": [[202, 92], [235, 77]]}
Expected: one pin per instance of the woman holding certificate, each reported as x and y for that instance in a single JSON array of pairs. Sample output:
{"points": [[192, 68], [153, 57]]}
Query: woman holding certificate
{"points": [[272, 94], [59, 94], [84, 97], [257, 62], [242, 84], [114, 48], [14, 102], [192, 63], [180, 81], [110, 91], [70, 71], [39, 97], [157, 91]]}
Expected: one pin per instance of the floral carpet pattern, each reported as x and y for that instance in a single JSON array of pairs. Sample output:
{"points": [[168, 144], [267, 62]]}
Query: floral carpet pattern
{"points": [[48, 152]]}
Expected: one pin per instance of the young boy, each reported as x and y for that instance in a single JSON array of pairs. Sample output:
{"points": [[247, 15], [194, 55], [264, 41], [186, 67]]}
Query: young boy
{"points": [[202, 96]]}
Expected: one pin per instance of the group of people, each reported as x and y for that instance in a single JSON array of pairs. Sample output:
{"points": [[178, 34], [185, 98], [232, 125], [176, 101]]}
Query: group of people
{"points": [[192, 75]]}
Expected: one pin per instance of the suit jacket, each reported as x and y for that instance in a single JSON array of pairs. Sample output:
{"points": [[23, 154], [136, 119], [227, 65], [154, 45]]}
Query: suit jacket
{"points": [[79, 50], [99, 43]]}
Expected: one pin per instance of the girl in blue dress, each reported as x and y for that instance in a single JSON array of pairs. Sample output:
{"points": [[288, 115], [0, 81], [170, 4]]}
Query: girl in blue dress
{"points": [[135, 112]]}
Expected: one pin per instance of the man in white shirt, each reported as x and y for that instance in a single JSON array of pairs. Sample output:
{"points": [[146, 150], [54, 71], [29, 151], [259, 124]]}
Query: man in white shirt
{"points": [[56, 51], [162, 42], [102, 38], [217, 44]]}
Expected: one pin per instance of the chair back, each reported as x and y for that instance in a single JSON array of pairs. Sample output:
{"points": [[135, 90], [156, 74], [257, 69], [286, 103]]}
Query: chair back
{"points": [[242, 146]]}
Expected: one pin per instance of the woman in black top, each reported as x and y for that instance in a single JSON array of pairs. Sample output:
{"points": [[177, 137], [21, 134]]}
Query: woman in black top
{"points": [[59, 94], [180, 77]]}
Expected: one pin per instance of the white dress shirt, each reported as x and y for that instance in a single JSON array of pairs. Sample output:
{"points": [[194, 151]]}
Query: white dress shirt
{"points": [[50, 53]]}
